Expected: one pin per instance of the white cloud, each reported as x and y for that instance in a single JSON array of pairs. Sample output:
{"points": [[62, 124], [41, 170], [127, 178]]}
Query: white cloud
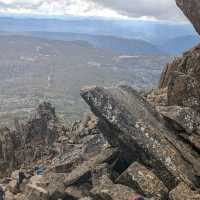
{"points": [[145, 9]]}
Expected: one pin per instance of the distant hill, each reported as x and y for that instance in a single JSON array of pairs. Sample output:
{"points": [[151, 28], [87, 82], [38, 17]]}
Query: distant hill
{"points": [[173, 46], [153, 32], [179, 45], [120, 36], [115, 44]]}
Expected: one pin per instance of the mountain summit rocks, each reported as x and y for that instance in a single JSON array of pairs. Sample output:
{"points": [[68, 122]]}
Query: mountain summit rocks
{"points": [[132, 145], [136, 125]]}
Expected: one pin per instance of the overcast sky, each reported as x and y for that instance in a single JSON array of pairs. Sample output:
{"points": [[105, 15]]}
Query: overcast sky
{"points": [[143, 9]]}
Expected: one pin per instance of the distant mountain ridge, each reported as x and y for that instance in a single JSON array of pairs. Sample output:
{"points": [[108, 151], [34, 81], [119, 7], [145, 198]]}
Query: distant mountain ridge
{"points": [[115, 44], [120, 36], [180, 44], [154, 32]]}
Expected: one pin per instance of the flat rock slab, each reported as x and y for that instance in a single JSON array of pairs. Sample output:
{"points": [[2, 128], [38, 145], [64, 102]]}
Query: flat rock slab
{"points": [[187, 118], [143, 181], [137, 123], [83, 171], [108, 190]]}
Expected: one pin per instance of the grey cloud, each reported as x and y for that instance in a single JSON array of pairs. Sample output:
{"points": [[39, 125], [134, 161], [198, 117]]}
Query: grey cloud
{"points": [[160, 9]]}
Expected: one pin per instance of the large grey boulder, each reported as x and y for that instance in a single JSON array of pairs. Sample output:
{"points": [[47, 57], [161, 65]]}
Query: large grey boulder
{"points": [[135, 124], [191, 9]]}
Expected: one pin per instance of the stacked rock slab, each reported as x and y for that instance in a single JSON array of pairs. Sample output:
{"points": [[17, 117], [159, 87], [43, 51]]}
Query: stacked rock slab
{"points": [[135, 123]]}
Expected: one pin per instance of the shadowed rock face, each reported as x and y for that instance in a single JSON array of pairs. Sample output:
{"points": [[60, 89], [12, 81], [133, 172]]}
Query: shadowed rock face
{"points": [[191, 9]]}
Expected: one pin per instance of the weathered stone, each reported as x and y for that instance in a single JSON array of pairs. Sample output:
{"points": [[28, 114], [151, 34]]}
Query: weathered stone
{"points": [[92, 145], [183, 192], [53, 183], [12, 187], [100, 171], [83, 171], [158, 97], [7, 147], [35, 180], [9, 196], [74, 192], [188, 64], [186, 118], [33, 192], [191, 9], [193, 139], [67, 165], [136, 124], [184, 90], [143, 181], [107, 190], [31, 141], [167, 72], [87, 198], [20, 196]]}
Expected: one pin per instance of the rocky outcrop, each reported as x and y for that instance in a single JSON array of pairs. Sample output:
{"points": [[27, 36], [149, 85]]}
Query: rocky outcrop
{"points": [[139, 161], [30, 141], [138, 126], [191, 8], [181, 79], [188, 65], [184, 90], [125, 149]]}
